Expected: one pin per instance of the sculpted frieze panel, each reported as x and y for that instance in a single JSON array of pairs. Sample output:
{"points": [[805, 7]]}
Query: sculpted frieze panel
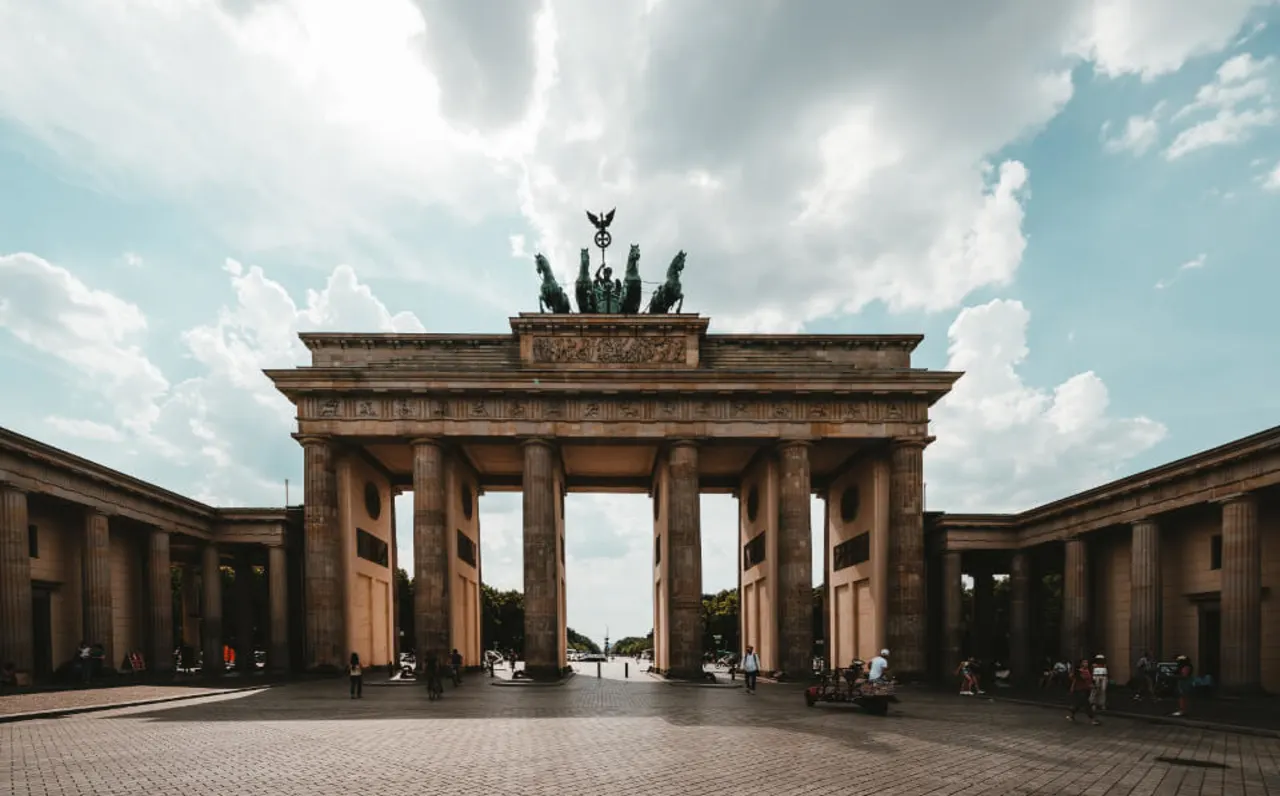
{"points": [[610, 350]]}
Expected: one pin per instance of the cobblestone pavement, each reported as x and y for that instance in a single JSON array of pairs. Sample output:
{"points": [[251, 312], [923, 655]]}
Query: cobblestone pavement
{"points": [[607, 737], [41, 701]]}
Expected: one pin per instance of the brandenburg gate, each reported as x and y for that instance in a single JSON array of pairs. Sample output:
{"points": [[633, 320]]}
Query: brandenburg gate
{"points": [[611, 399]]}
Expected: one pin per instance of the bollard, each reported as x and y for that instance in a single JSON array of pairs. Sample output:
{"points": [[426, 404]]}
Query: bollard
{"points": [[597, 670], [626, 670]]}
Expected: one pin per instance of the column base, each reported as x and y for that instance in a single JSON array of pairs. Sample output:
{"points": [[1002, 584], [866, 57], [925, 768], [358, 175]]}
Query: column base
{"points": [[541, 673]]}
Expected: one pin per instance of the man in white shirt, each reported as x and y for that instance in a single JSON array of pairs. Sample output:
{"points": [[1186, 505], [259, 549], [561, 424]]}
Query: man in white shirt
{"points": [[751, 668], [1100, 677], [878, 666]]}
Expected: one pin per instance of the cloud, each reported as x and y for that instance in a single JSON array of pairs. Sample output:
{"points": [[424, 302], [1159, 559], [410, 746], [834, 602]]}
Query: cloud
{"points": [[1004, 445], [1194, 264], [1271, 181], [72, 428], [132, 259], [97, 335], [1239, 97], [1140, 134]]}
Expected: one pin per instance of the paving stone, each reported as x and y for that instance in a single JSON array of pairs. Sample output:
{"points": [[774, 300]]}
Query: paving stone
{"points": [[608, 736]]}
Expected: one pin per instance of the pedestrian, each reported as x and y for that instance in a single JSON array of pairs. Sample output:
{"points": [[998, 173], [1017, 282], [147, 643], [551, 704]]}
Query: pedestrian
{"points": [[1184, 673], [1098, 696], [84, 653], [1081, 686], [435, 689], [751, 668], [455, 666], [879, 665], [356, 674], [1145, 681]]}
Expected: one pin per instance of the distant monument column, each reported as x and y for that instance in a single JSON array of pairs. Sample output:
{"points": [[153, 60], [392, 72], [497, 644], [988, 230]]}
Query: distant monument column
{"points": [[98, 621], [1021, 575], [1241, 595], [278, 600], [211, 611], [325, 638], [16, 645], [684, 563], [905, 592], [160, 599], [795, 561], [1075, 599], [541, 581], [431, 618]]}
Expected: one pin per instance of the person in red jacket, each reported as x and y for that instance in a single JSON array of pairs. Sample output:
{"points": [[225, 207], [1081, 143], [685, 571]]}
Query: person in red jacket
{"points": [[1081, 686]]}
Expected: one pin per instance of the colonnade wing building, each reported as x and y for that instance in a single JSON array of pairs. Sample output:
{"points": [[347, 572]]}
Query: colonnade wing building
{"points": [[1182, 559]]}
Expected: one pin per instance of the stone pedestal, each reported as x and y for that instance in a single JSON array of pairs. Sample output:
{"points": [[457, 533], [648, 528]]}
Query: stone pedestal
{"points": [[16, 645], [278, 600], [1146, 593], [245, 661], [211, 611], [952, 611], [1021, 578], [326, 639], [1241, 596], [1075, 600], [542, 626], [431, 622], [684, 564], [981, 631], [795, 561], [98, 620], [905, 593], [159, 603]]}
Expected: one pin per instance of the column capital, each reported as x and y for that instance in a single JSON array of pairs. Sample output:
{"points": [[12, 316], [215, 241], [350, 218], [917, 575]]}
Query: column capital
{"points": [[1151, 521], [911, 442], [782, 445], [434, 442], [1236, 497], [531, 441], [684, 442], [312, 439]]}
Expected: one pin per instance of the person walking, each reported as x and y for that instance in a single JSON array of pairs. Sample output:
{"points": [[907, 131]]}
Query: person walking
{"points": [[750, 668], [1145, 681], [85, 653], [355, 672], [455, 667], [1185, 672], [1098, 696], [1081, 686]]}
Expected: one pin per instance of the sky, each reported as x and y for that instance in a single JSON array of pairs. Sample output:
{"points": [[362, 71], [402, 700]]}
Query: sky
{"points": [[1075, 202]]}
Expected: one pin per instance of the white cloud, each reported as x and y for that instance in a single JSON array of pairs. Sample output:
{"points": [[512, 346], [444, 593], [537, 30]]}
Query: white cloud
{"points": [[1271, 181], [1240, 101], [71, 428], [1194, 264], [132, 259], [1003, 445], [1140, 134], [98, 335]]}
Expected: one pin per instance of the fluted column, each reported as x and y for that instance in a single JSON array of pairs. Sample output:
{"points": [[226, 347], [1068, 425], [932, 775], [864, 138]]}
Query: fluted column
{"points": [[984, 613], [1241, 595], [98, 620], [326, 639], [684, 563], [1021, 577], [541, 578], [278, 601], [952, 610], [160, 603], [245, 615], [431, 618], [795, 561], [1146, 596], [211, 611], [905, 595], [16, 645], [1075, 599]]}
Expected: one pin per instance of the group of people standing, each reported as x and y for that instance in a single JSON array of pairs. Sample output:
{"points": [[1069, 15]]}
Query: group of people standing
{"points": [[431, 672], [1089, 680]]}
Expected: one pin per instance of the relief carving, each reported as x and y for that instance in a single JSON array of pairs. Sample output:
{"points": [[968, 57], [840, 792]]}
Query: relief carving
{"points": [[740, 409], [403, 408], [670, 408], [366, 409], [782, 410], [591, 410], [329, 408], [519, 410], [818, 411], [439, 408], [554, 408], [611, 350], [478, 409], [628, 410]]}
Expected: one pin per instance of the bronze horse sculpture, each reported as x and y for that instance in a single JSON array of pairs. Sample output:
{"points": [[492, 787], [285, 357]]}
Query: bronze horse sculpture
{"points": [[631, 285], [551, 297], [669, 293], [583, 289]]}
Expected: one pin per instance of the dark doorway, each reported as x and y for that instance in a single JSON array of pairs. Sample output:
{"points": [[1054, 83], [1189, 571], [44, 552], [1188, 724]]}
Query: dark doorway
{"points": [[41, 633], [1210, 641]]}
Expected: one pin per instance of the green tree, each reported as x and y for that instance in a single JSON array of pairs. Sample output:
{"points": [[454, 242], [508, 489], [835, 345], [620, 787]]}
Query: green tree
{"points": [[404, 607], [720, 618], [581, 643], [501, 619], [633, 645]]}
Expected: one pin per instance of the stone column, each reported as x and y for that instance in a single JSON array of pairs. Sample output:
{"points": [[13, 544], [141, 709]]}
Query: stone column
{"points": [[1075, 600], [541, 582], [952, 610], [905, 595], [278, 598], [1241, 595], [431, 617], [684, 563], [245, 615], [16, 644], [326, 638], [98, 621], [160, 599], [1146, 596], [211, 611], [1021, 576], [984, 614], [795, 561]]}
